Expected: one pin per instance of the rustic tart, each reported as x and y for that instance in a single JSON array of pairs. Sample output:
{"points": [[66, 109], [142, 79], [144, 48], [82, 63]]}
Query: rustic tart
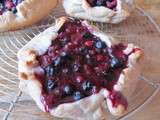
{"points": [[106, 11], [72, 70], [15, 14]]}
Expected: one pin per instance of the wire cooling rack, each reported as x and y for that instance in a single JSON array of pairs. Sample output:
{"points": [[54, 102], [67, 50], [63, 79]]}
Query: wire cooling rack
{"points": [[139, 29]]}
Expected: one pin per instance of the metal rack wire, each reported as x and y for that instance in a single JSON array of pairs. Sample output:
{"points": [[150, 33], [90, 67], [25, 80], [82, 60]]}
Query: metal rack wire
{"points": [[15, 105]]}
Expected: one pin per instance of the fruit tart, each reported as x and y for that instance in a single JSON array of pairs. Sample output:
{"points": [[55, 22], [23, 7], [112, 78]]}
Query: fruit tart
{"points": [[15, 14], [72, 70], [107, 11]]}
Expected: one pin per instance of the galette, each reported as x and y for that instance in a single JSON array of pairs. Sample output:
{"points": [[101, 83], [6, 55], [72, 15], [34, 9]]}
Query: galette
{"points": [[107, 11], [16, 14], [72, 70]]}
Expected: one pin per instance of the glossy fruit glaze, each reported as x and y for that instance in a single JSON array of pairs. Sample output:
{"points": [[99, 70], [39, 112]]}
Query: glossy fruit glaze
{"points": [[111, 4], [78, 64], [9, 5]]}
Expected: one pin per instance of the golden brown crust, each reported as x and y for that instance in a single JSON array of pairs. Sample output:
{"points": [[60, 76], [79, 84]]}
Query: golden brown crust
{"points": [[32, 62], [28, 13], [23, 76]]}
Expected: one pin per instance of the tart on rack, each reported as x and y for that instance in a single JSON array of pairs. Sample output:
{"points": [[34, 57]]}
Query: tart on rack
{"points": [[107, 11], [73, 70], [16, 14]]}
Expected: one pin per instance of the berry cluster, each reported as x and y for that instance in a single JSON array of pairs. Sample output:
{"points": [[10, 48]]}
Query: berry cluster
{"points": [[111, 4], [79, 64]]}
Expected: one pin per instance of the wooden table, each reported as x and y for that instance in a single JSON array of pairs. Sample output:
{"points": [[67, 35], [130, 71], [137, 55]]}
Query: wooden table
{"points": [[152, 7], [152, 110]]}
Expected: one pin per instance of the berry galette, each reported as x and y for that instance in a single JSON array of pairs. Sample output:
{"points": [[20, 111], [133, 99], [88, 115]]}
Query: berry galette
{"points": [[15, 14], [72, 70], [107, 11]]}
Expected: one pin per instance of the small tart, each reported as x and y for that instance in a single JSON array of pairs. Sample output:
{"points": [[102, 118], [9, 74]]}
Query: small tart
{"points": [[73, 70], [16, 14], [107, 11]]}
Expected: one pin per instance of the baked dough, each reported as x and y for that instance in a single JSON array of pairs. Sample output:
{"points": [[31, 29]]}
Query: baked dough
{"points": [[82, 9], [28, 12], [93, 107]]}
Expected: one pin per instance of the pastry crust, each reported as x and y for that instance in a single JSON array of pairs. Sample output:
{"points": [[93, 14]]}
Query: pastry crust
{"points": [[93, 107], [28, 13], [82, 9]]}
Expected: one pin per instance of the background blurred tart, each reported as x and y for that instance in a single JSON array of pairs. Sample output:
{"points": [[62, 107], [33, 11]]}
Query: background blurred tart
{"points": [[73, 70], [107, 11], [16, 14]]}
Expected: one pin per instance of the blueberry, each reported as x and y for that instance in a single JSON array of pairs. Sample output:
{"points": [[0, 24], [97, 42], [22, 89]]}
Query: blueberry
{"points": [[109, 75], [51, 71], [100, 2], [57, 61], [1, 5], [87, 86], [87, 35], [14, 1], [9, 9], [51, 84], [14, 10], [78, 95], [68, 90], [83, 50], [65, 56], [89, 59], [76, 67], [116, 63], [66, 39], [100, 44]]}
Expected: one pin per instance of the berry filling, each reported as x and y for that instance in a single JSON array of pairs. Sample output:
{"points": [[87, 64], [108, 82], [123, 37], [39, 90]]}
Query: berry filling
{"points": [[9, 5], [79, 64], [111, 4]]}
